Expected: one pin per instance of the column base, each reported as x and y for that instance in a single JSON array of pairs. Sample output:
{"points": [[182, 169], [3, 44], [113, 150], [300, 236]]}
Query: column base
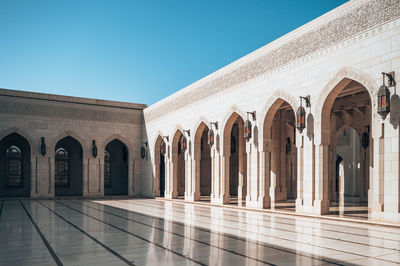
{"points": [[299, 205], [321, 207], [220, 200]]}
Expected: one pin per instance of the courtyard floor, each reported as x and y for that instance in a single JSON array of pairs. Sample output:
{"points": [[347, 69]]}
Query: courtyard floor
{"points": [[158, 232]]}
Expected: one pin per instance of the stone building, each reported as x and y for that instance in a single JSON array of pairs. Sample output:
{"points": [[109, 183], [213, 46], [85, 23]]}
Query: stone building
{"points": [[347, 152], [65, 146], [235, 136]]}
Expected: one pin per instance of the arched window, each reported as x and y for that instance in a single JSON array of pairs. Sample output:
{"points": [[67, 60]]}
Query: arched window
{"points": [[107, 169], [62, 177], [14, 166]]}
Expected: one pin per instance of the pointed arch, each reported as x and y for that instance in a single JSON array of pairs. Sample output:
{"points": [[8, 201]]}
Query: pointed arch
{"points": [[197, 135], [174, 142], [158, 168], [118, 178], [227, 127], [270, 114], [15, 166], [202, 157], [68, 172], [333, 88], [178, 165], [72, 134], [20, 132], [337, 107], [122, 139], [272, 100], [279, 141]]}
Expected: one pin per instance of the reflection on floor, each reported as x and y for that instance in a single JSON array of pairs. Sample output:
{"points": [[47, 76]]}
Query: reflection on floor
{"points": [[153, 232], [352, 210]]}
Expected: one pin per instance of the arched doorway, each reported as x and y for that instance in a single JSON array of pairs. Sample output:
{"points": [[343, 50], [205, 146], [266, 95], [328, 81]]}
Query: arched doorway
{"points": [[179, 146], [235, 156], [68, 179], [279, 132], [15, 166], [116, 169], [346, 119], [205, 165], [202, 155], [160, 150]]}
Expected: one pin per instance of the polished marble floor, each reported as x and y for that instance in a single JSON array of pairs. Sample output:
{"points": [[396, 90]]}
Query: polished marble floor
{"points": [[157, 232]]}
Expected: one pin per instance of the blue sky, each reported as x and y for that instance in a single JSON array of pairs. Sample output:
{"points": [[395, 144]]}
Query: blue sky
{"points": [[135, 50]]}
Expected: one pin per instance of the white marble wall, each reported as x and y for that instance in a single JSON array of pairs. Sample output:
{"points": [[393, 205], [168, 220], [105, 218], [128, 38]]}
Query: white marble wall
{"points": [[320, 74]]}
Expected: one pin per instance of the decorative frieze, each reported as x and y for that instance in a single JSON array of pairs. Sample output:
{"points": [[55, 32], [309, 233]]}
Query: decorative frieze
{"points": [[352, 23]]}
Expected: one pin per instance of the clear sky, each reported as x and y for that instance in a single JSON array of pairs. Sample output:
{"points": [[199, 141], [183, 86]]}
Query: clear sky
{"points": [[135, 50]]}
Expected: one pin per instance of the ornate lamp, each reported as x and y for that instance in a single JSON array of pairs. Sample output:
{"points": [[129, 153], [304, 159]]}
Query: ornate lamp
{"points": [[247, 130], [183, 143], [210, 136], [163, 148], [248, 126], [143, 150], [301, 113], [94, 149], [43, 147], [384, 96]]}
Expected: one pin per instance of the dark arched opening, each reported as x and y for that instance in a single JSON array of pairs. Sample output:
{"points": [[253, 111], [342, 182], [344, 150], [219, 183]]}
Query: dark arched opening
{"points": [[162, 174], [115, 169], [205, 165], [68, 168], [15, 166]]}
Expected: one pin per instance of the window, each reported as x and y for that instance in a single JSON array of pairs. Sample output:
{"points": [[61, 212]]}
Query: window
{"points": [[62, 177], [14, 166], [107, 169]]}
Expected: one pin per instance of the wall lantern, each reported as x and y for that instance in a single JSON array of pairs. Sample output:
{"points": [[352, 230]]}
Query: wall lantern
{"points": [[43, 147], [163, 145], [384, 95], [183, 142], [163, 148], [248, 126], [301, 113], [365, 138], [94, 149], [143, 150], [210, 137], [187, 131]]}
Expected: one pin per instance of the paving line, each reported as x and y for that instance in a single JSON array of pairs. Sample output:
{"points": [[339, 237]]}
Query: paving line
{"points": [[277, 237], [302, 226], [91, 237], [142, 238], [46, 243], [174, 233], [332, 261]]}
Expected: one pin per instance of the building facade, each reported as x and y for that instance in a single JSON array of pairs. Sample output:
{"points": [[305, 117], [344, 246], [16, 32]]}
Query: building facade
{"points": [[298, 121], [347, 152], [65, 146]]}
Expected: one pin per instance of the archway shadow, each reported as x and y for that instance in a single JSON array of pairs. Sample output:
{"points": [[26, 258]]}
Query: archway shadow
{"points": [[310, 126], [395, 110]]}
